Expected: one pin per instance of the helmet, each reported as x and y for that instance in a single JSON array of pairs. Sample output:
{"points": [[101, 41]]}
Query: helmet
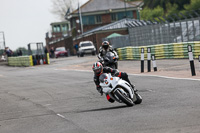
{"points": [[97, 68], [105, 44]]}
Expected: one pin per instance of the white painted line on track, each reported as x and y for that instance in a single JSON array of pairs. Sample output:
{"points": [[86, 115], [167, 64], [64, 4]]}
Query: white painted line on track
{"points": [[164, 77], [133, 74], [74, 70], [60, 116]]}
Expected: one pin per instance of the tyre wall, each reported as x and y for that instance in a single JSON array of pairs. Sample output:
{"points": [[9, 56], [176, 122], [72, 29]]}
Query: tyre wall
{"points": [[26, 61], [161, 51]]}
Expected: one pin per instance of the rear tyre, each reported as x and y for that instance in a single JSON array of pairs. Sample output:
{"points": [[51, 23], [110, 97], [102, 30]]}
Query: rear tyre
{"points": [[128, 101], [93, 53], [81, 55]]}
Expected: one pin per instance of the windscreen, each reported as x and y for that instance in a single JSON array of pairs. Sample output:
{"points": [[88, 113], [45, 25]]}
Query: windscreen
{"points": [[86, 44], [109, 54], [102, 77], [60, 49]]}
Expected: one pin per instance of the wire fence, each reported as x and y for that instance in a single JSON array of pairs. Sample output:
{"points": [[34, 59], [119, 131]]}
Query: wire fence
{"points": [[162, 33]]}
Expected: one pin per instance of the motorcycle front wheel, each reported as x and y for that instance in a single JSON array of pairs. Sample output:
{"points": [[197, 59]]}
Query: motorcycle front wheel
{"points": [[128, 101], [138, 99]]}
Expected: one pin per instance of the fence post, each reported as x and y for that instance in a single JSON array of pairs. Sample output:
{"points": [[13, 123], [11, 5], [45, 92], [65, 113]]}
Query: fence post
{"points": [[154, 63], [191, 60], [142, 60], [149, 59]]}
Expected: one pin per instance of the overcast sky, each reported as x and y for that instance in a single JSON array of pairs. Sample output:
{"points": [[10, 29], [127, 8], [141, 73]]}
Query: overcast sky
{"points": [[26, 21]]}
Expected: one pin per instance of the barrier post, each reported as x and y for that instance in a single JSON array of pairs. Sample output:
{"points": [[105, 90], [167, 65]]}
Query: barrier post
{"points": [[154, 63], [142, 60], [199, 62], [191, 60], [149, 59]]}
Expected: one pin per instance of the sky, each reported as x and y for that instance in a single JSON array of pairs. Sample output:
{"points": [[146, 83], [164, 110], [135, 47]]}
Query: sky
{"points": [[26, 21]]}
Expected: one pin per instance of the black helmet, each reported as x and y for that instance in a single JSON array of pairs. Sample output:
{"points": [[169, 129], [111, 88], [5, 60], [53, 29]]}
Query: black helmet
{"points": [[105, 45], [97, 68]]}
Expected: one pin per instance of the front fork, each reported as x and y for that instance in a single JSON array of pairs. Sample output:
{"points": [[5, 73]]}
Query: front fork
{"points": [[123, 92]]}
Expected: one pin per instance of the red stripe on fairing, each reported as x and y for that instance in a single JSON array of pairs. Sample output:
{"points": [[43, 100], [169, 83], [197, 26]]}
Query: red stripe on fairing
{"points": [[108, 97], [120, 74]]}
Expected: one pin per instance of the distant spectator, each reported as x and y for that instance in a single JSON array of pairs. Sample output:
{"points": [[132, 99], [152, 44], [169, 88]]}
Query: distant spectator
{"points": [[19, 52], [76, 48], [45, 50], [8, 51], [52, 52]]}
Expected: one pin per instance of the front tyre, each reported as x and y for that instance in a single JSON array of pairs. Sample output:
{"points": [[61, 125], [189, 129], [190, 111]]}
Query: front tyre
{"points": [[116, 65], [124, 98], [138, 99]]}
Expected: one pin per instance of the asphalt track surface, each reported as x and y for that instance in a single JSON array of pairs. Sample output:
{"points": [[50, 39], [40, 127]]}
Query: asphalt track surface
{"points": [[61, 98]]}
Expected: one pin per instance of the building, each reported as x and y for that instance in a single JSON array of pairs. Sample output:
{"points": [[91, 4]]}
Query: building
{"points": [[60, 36], [90, 20], [96, 13]]}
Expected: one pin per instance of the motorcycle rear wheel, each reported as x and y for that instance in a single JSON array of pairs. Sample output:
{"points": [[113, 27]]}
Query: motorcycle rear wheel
{"points": [[124, 98]]}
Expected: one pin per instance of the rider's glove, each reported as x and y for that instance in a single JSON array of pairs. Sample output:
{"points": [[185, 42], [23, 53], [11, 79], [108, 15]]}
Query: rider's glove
{"points": [[99, 89], [101, 60], [116, 73]]}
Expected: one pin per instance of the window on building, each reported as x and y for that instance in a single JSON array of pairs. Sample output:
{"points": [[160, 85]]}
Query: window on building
{"points": [[129, 14], [64, 27], [54, 28], [73, 22], [121, 15], [113, 17], [98, 19], [58, 28], [88, 20]]}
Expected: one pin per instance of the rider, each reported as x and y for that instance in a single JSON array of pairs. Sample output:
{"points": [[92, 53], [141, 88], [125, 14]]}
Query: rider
{"points": [[104, 49], [99, 69]]}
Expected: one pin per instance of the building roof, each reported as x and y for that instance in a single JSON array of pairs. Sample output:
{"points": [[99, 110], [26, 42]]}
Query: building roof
{"points": [[113, 35], [107, 5], [62, 22], [123, 23]]}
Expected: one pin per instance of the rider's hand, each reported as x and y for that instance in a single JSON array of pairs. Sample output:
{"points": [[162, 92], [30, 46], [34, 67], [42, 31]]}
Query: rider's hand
{"points": [[116, 72], [99, 89], [101, 60]]}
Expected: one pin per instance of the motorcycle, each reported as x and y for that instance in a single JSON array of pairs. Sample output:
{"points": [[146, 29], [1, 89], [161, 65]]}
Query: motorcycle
{"points": [[110, 60], [119, 90]]}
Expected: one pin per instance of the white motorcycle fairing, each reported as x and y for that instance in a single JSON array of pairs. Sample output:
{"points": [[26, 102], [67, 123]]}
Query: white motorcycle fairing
{"points": [[109, 83]]}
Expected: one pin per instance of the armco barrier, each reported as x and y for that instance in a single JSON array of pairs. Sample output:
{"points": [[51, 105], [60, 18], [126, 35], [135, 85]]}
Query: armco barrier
{"points": [[161, 51]]}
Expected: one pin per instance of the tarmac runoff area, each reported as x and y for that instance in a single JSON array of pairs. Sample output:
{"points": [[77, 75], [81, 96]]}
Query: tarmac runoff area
{"points": [[166, 68]]}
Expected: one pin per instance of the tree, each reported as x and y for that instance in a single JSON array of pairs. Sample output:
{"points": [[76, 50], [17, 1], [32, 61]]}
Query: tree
{"points": [[163, 3], [23, 49], [194, 5], [172, 9], [153, 8], [60, 7], [148, 13]]}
